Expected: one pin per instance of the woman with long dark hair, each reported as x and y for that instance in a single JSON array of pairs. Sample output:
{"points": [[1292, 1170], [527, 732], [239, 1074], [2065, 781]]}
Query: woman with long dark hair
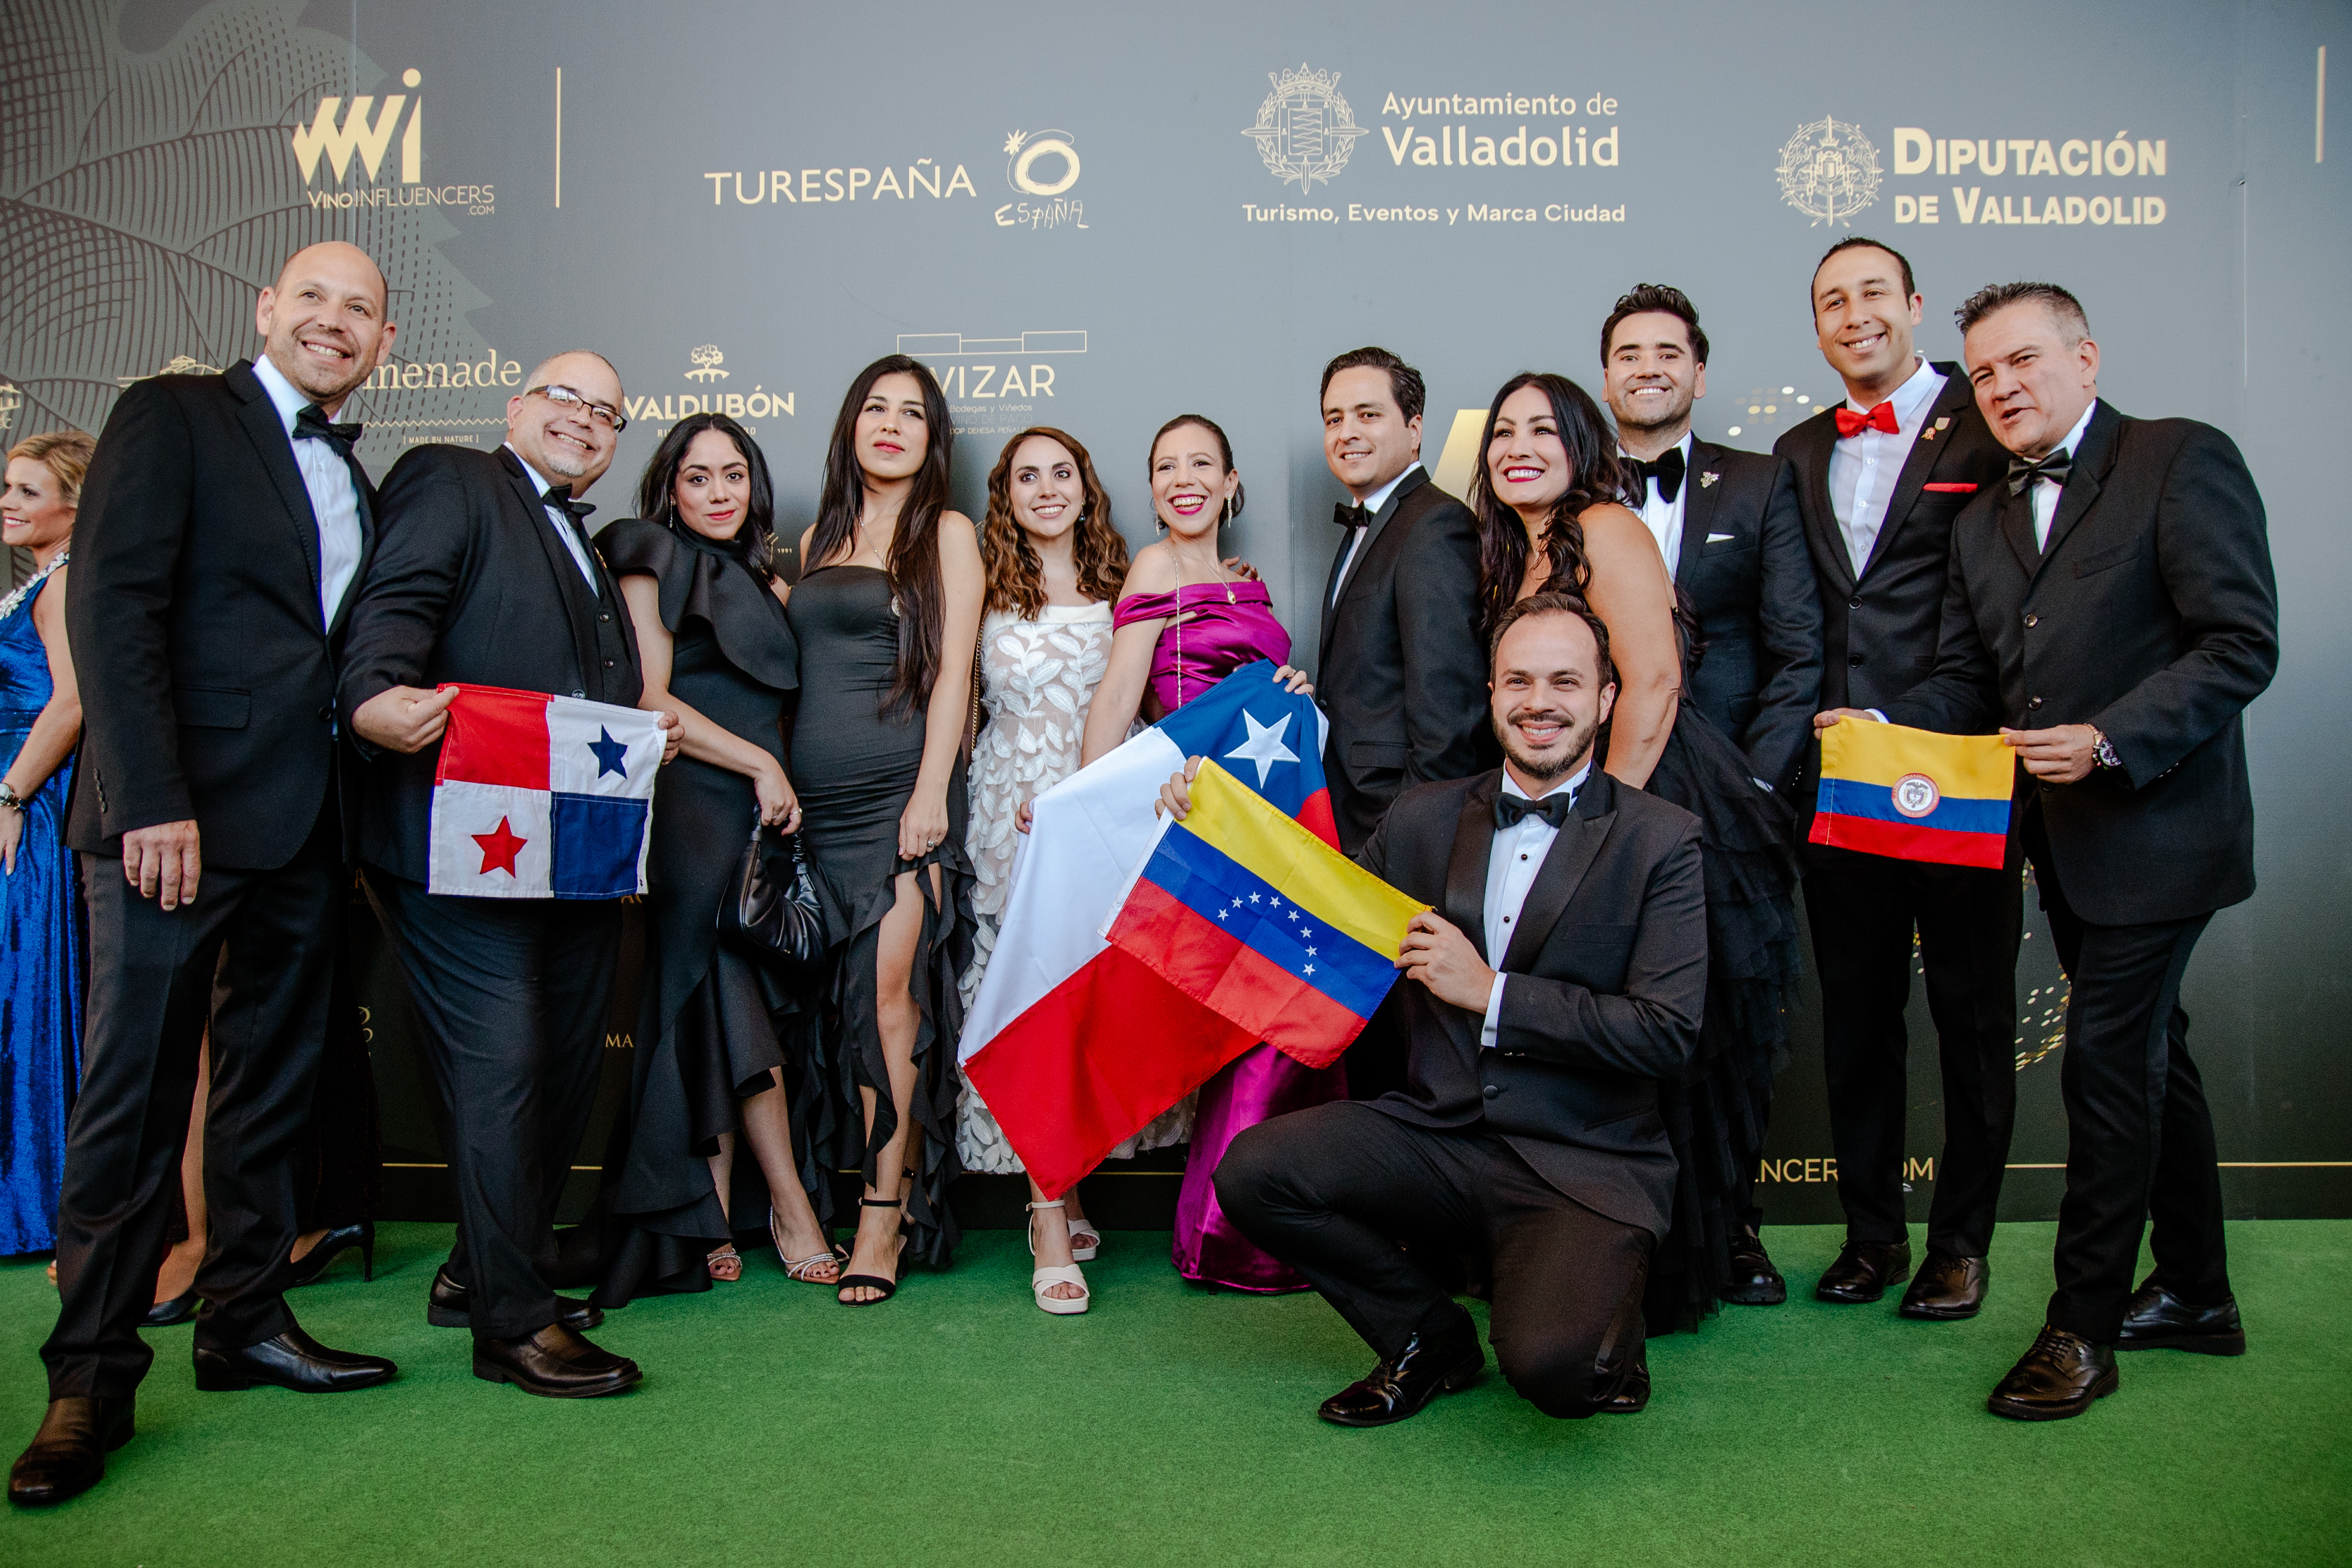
{"points": [[697, 569], [886, 612], [1186, 620], [1551, 497]]}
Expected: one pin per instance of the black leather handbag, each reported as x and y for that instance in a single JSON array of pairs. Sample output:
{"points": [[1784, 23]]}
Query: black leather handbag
{"points": [[770, 914]]}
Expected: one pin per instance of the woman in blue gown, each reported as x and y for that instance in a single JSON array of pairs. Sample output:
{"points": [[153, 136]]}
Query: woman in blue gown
{"points": [[40, 908]]}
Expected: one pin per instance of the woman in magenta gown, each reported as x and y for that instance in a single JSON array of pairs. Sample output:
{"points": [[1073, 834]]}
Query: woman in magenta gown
{"points": [[1184, 622]]}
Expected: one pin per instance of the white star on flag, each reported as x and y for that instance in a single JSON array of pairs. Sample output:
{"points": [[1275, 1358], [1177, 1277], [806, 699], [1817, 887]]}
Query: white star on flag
{"points": [[1263, 746]]}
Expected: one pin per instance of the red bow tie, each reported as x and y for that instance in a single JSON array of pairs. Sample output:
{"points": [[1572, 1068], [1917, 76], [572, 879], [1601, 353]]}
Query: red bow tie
{"points": [[1851, 424]]}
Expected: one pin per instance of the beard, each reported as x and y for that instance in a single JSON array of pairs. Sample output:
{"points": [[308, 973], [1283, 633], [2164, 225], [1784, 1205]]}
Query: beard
{"points": [[1559, 759], [1678, 409]]}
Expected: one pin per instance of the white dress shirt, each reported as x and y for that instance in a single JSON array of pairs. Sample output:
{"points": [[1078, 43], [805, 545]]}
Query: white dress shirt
{"points": [[561, 521], [1363, 531], [334, 496], [2045, 493], [1663, 517], [1864, 468], [1511, 866]]}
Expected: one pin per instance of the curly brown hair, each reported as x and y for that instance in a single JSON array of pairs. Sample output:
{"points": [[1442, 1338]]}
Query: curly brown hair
{"points": [[1016, 577]]}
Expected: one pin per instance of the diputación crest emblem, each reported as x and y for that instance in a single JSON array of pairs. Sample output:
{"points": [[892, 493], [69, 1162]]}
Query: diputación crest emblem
{"points": [[1829, 171], [1304, 130]]}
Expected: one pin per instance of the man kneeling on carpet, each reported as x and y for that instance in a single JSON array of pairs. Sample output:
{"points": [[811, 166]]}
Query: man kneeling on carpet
{"points": [[1528, 1127]]}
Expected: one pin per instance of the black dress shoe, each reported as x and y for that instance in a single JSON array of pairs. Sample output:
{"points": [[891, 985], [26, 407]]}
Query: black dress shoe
{"points": [[2059, 1377], [1753, 1281], [1632, 1397], [1401, 1385], [333, 1244], [1947, 1287], [448, 1307], [291, 1360], [1863, 1271], [68, 1454], [179, 1309], [554, 1363], [2156, 1320]]}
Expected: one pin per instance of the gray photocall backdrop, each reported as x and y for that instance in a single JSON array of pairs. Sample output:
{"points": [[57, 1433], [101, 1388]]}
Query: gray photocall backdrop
{"points": [[1097, 217]]}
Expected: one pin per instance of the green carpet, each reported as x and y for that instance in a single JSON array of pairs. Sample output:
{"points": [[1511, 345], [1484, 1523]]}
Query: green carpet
{"points": [[959, 1425]]}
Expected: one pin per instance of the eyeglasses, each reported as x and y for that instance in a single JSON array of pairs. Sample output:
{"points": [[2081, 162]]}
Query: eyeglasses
{"points": [[564, 397]]}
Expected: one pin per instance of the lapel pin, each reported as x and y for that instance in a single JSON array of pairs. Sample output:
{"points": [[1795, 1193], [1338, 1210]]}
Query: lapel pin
{"points": [[1945, 423], [1929, 435], [1707, 480]]}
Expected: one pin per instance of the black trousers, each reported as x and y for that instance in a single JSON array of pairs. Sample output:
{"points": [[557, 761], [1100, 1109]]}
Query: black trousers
{"points": [[2139, 1135], [511, 993], [1332, 1190], [253, 955], [1863, 909]]}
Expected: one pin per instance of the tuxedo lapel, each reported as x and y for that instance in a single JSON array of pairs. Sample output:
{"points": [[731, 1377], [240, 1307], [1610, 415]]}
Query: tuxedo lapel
{"points": [[2093, 455], [1563, 868], [1928, 450], [365, 495], [1814, 473], [2017, 527], [1363, 571], [1698, 513], [1465, 872], [567, 583], [267, 431]]}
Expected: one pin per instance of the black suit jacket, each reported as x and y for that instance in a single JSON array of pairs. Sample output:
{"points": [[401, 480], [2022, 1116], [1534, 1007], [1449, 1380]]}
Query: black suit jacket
{"points": [[1402, 672], [1607, 984], [207, 674], [468, 586], [1879, 634], [1758, 611], [2152, 614]]}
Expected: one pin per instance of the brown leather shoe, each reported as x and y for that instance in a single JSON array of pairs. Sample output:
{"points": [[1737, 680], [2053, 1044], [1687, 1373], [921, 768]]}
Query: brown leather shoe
{"points": [[1753, 1281], [554, 1363], [1405, 1382], [68, 1454], [1946, 1289], [449, 1305], [2156, 1320], [1863, 1271], [2059, 1377], [291, 1360]]}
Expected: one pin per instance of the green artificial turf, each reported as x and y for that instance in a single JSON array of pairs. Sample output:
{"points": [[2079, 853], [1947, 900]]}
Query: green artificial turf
{"points": [[959, 1425]]}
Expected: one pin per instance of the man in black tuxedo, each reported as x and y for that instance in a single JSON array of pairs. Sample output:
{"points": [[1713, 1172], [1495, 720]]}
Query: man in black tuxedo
{"points": [[487, 577], [1880, 480], [1400, 673], [1529, 1127], [222, 529], [2111, 606], [1728, 528]]}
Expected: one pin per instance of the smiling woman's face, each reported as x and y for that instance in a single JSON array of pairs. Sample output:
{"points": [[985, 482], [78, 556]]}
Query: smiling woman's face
{"points": [[714, 485], [1527, 462], [1047, 487], [1190, 481]]}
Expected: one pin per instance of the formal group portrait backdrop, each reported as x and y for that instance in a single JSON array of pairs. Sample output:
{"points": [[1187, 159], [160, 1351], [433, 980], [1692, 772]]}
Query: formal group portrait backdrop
{"points": [[1097, 217]]}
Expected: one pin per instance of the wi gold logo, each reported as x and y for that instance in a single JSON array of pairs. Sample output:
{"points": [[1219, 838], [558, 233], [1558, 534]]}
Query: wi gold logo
{"points": [[323, 138]]}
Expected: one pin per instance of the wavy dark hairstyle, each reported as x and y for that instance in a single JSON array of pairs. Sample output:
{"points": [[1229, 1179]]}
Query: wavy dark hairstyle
{"points": [[1598, 477], [1232, 509], [1016, 576], [658, 489], [913, 561]]}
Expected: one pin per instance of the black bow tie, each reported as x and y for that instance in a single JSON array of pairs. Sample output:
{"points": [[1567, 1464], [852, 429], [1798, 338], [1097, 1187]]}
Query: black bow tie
{"points": [[310, 425], [1667, 470], [1555, 808], [2053, 468], [1348, 516], [562, 499]]}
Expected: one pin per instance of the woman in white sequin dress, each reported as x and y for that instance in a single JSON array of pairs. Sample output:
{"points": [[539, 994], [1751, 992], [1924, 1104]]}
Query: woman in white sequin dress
{"points": [[1054, 562]]}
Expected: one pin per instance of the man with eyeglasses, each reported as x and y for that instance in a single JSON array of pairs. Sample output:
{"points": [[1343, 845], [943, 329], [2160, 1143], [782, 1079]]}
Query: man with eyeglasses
{"points": [[485, 576]]}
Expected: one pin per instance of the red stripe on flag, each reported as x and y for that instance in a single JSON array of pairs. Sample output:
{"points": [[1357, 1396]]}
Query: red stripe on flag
{"points": [[1909, 841], [1066, 1092], [1217, 969], [1314, 816], [496, 737]]}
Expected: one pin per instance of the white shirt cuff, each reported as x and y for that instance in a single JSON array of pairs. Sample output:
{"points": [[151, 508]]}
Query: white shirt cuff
{"points": [[1876, 714], [1494, 1014]]}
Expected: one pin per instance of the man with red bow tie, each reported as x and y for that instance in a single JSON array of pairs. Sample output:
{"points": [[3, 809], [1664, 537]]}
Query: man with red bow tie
{"points": [[1879, 482]]}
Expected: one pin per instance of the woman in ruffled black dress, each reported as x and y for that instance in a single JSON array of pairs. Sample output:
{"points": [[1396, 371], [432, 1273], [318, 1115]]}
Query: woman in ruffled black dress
{"points": [[1549, 497], [887, 613], [719, 1037]]}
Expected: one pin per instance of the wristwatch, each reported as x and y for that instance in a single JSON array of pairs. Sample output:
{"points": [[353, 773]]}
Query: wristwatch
{"points": [[10, 798], [2102, 751]]}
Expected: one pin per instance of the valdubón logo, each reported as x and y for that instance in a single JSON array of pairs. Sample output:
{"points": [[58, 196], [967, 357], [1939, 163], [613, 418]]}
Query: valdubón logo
{"points": [[707, 366], [1304, 130], [1829, 171]]}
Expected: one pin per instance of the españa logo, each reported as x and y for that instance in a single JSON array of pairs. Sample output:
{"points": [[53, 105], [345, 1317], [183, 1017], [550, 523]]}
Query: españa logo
{"points": [[1304, 130], [325, 140]]}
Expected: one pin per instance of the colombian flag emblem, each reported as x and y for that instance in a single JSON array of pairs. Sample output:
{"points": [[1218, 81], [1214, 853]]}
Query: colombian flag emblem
{"points": [[1912, 795]]}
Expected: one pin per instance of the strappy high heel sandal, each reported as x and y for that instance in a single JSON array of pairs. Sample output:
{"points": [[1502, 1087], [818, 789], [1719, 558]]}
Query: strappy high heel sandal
{"points": [[804, 1268], [723, 1263], [888, 1288], [1047, 1276], [1083, 1251]]}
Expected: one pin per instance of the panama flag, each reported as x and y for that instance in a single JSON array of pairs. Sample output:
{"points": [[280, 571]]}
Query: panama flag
{"points": [[1076, 1044], [542, 798], [1914, 795]]}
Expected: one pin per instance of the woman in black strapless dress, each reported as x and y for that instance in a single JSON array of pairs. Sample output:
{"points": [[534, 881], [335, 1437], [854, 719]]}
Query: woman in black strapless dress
{"points": [[1548, 498], [887, 613], [725, 1057]]}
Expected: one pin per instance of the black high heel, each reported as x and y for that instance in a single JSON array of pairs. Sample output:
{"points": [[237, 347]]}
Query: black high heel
{"points": [[333, 1244], [888, 1288]]}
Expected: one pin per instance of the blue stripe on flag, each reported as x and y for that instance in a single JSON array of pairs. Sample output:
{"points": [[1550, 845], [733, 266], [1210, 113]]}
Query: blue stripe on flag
{"points": [[1845, 797], [1224, 891]]}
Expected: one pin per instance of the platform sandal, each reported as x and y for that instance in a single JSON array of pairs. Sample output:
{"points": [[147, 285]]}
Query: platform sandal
{"points": [[803, 1268], [1047, 1276], [888, 1288], [1083, 1251]]}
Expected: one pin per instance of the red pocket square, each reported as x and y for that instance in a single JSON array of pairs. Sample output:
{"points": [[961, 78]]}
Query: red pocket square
{"points": [[1951, 489]]}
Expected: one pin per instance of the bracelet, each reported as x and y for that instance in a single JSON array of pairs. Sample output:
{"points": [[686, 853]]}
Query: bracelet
{"points": [[11, 799]]}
